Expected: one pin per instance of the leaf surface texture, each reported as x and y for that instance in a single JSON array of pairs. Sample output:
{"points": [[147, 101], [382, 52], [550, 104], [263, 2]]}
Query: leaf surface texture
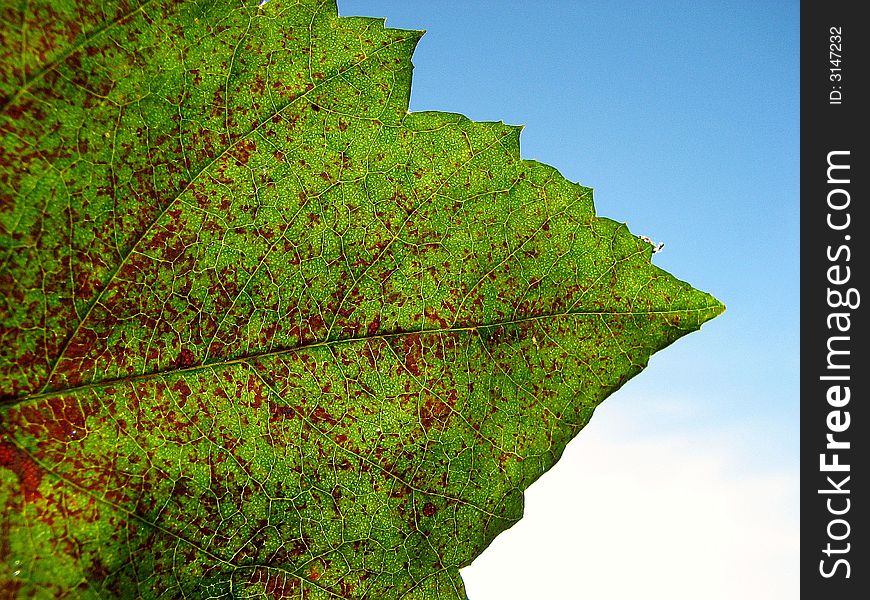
{"points": [[264, 333]]}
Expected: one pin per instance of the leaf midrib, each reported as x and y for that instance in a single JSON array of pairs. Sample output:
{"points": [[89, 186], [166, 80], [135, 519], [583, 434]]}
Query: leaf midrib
{"points": [[341, 341]]}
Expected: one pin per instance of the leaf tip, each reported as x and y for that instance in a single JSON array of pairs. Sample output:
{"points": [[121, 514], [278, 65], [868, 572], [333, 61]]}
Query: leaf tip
{"points": [[714, 308]]}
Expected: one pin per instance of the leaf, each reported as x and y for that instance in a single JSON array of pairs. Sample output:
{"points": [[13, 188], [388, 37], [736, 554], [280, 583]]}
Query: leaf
{"points": [[267, 334]]}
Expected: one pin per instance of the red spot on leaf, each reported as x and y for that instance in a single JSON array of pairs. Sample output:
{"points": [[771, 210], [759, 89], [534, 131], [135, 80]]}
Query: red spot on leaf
{"points": [[185, 359], [374, 325], [182, 389], [433, 316], [28, 472], [277, 585], [320, 415], [281, 413], [346, 588], [243, 151]]}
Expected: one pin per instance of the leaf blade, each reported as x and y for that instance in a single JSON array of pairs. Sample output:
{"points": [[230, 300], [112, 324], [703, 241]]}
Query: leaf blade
{"points": [[337, 339]]}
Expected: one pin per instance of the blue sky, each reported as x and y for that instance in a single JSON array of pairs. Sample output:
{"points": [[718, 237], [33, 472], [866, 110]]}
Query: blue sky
{"points": [[684, 118]]}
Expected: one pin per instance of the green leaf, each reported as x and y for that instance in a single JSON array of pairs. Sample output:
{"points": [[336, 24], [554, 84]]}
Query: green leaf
{"points": [[263, 332]]}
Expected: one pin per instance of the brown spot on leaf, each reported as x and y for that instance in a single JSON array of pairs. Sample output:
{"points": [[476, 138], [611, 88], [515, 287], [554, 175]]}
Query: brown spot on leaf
{"points": [[434, 412], [412, 350]]}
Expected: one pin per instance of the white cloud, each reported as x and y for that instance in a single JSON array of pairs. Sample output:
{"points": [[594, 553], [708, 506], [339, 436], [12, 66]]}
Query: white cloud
{"points": [[676, 515]]}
